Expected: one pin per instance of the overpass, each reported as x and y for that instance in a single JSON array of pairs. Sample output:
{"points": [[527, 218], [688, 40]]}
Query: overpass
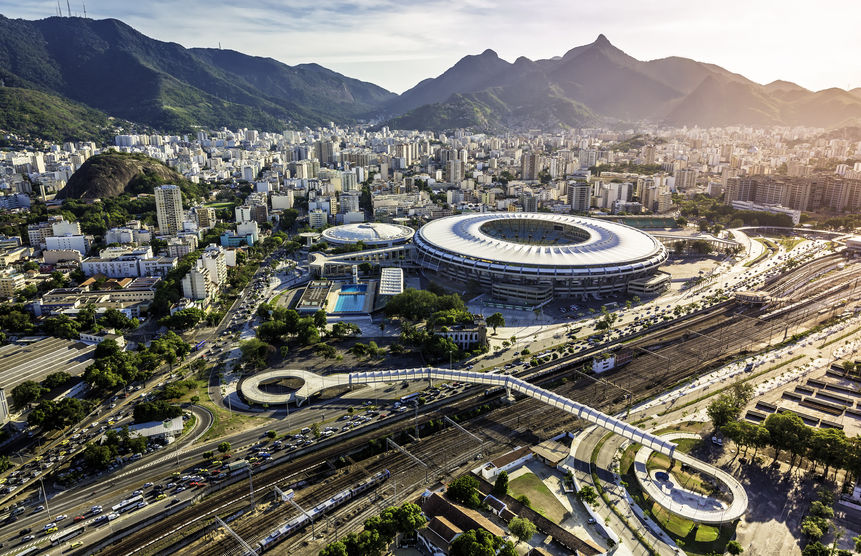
{"points": [[250, 390]]}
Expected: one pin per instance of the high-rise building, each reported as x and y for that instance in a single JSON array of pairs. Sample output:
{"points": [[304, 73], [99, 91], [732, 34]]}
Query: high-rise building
{"points": [[168, 208], [529, 202], [579, 196], [197, 284], [454, 171], [317, 218], [685, 179], [530, 166], [349, 202], [205, 217]]}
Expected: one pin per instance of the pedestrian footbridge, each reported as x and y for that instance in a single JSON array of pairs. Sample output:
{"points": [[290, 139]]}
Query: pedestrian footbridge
{"points": [[250, 390]]}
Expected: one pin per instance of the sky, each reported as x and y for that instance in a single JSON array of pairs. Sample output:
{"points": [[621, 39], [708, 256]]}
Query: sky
{"points": [[397, 43]]}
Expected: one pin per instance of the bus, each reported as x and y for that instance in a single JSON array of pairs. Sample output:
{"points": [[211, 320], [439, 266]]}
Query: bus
{"points": [[199, 345], [410, 397], [29, 551], [66, 534], [127, 504]]}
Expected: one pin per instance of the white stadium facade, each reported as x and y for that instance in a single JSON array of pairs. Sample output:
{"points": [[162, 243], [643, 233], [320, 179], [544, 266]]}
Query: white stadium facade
{"points": [[372, 234], [518, 258], [529, 258]]}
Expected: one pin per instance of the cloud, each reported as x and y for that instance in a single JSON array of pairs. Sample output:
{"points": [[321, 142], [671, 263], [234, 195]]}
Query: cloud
{"points": [[398, 43]]}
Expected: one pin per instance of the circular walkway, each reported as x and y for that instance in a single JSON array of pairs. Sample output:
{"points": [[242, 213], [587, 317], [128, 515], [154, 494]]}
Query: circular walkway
{"points": [[249, 387], [686, 503]]}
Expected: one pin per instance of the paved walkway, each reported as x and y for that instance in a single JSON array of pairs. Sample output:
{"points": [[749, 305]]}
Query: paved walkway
{"points": [[683, 502]]}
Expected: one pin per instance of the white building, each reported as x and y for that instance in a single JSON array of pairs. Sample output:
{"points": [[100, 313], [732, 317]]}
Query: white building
{"points": [[197, 284], [79, 243], [283, 200], [213, 260], [245, 228], [168, 207], [317, 218]]}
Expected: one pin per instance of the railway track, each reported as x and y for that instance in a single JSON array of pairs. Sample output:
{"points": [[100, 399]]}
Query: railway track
{"points": [[685, 349]]}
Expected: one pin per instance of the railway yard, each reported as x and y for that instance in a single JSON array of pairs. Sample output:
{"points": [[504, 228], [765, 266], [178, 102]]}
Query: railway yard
{"points": [[422, 448]]}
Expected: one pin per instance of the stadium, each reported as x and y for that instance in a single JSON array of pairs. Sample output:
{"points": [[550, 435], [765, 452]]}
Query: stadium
{"points": [[530, 258], [372, 234]]}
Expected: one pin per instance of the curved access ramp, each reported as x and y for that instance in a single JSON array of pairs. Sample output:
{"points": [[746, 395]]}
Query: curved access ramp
{"points": [[687, 504]]}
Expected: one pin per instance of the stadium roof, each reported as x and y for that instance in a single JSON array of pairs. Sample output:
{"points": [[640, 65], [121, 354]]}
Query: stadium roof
{"points": [[370, 233], [603, 243]]}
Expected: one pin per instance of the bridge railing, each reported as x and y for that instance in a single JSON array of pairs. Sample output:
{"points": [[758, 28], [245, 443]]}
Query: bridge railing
{"points": [[581, 411]]}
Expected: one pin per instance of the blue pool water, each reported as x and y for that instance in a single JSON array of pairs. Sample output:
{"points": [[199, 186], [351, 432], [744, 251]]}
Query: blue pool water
{"points": [[352, 303], [352, 288]]}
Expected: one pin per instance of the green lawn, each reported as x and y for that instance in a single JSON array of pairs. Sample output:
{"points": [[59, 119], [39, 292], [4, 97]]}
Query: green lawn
{"points": [[701, 540], [540, 497], [220, 205]]}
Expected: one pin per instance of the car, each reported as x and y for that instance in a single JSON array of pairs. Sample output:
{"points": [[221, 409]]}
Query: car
{"points": [[161, 496], [96, 509], [147, 485], [39, 509], [28, 538], [79, 518], [591, 520], [24, 531], [76, 544], [60, 517]]}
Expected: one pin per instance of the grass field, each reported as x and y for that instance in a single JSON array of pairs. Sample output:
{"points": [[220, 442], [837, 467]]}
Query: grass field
{"points": [[220, 205], [540, 497], [789, 243], [696, 539]]}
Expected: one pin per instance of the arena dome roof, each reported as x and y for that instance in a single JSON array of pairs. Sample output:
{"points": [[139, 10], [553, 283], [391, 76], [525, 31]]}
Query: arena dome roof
{"points": [[370, 233], [539, 239]]}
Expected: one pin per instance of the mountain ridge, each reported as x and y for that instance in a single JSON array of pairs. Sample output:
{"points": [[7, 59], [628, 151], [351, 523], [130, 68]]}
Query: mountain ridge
{"points": [[94, 70]]}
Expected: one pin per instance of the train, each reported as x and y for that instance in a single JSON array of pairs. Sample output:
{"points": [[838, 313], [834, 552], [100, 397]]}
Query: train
{"points": [[319, 510]]}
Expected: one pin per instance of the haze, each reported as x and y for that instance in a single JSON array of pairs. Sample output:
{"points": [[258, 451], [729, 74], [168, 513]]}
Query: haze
{"points": [[397, 44]]}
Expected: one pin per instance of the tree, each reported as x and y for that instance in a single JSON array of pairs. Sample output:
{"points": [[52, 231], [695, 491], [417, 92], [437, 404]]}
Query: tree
{"points": [[816, 549], [158, 410], [495, 320], [57, 379], [224, 447], [320, 319], [787, 432], [722, 410], [254, 352], [27, 392], [523, 499], [588, 495], [271, 434], [522, 528], [5, 464], [812, 528], [464, 490], [734, 548], [315, 430], [336, 548], [475, 542], [500, 487], [98, 457]]}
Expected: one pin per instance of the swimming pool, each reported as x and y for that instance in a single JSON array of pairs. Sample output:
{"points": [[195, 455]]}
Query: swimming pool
{"points": [[350, 303], [354, 288]]}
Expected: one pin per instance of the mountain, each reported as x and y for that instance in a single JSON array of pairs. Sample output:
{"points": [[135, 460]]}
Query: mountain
{"points": [[108, 66], [35, 114], [111, 174], [598, 82]]}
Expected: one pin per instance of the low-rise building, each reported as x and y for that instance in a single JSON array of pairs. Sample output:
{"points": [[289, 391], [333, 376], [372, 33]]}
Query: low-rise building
{"points": [[10, 282]]}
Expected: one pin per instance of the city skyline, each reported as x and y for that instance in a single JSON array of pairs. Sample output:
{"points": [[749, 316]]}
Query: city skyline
{"points": [[397, 45]]}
